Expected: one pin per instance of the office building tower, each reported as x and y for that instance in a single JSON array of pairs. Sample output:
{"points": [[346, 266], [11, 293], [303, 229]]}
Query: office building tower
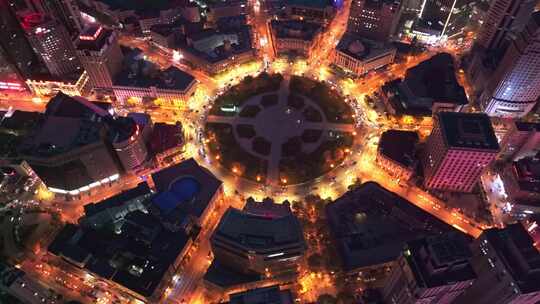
{"points": [[431, 270], [52, 43], [508, 268], [502, 21], [374, 19], [17, 58], [521, 139], [458, 149], [100, 55], [65, 11], [503, 17], [514, 88], [442, 19]]}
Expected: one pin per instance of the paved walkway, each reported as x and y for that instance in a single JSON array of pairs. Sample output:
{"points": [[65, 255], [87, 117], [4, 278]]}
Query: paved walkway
{"points": [[277, 124]]}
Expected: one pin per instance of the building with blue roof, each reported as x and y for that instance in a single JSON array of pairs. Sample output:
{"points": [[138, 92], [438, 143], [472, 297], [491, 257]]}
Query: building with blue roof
{"points": [[187, 194]]}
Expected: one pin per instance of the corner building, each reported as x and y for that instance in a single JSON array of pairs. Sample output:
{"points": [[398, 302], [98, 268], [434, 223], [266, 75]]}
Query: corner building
{"points": [[458, 149]]}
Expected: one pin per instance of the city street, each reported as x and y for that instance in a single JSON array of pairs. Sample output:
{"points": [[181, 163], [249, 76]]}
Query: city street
{"points": [[186, 286]]}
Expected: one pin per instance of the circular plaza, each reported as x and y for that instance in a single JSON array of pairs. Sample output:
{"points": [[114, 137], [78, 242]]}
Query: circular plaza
{"points": [[279, 131]]}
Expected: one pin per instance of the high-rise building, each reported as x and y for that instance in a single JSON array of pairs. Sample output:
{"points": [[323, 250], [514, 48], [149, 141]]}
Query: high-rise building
{"points": [[100, 55], [434, 269], [65, 11], [504, 17], [458, 149], [514, 88], [17, 58], [442, 19], [521, 139], [508, 268], [374, 19], [52, 43], [502, 21]]}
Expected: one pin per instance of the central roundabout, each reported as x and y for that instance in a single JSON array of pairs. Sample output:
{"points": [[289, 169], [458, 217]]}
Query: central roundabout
{"points": [[279, 131]]}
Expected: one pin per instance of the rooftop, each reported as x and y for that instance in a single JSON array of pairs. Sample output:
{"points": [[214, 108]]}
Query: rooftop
{"points": [[433, 80], [266, 295], [186, 186], [142, 189], [515, 248], [295, 29], [527, 173], [231, 36], [371, 225], [258, 233], [93, 38], [361, 48], [138, 72], [137, 258], [468, 130], [399, 146], [166, 136], [440, 261]]}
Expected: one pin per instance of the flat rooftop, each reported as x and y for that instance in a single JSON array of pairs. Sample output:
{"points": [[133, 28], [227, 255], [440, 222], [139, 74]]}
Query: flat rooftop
{"points": [[361, 48], [399, 146], [259, 232], [440, 261], [371, 225], [142, 189], [140, 73], [515, 247], [93, 38], [187, 186], [295, 29], [468, 131], [138, 257]]}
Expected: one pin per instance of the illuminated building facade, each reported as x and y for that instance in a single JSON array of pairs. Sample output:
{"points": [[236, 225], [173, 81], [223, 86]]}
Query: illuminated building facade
{"points": [[434, 269], [252, 241], [503, 18], [295, 37], [215, 49], [442, 19], [359, 56], [17, 58], [139, 82], [459, 148], [76, 84], [52, 43], [80, 157], [320, 11], [374, 19], [100, 55], [520, 182], [514, 88], [519, 140], [129, 143], [507, 266], [64, 11]]}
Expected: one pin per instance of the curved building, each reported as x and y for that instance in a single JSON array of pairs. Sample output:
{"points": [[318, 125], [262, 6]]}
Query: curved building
{"points": [[249, 242], [128, 143]]}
